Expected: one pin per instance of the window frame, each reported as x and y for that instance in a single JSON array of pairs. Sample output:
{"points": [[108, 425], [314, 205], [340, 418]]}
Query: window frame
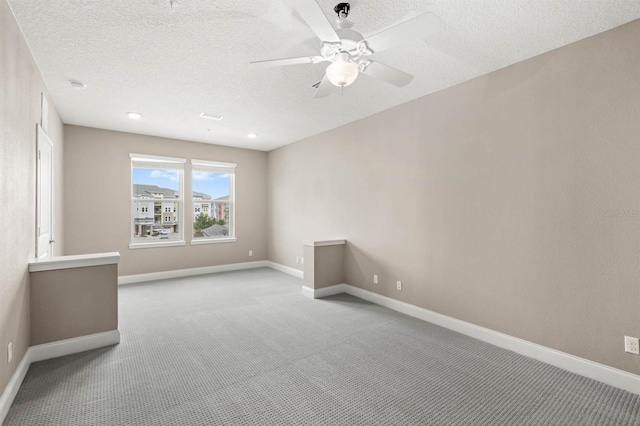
{"points": [[158, 162], [216, 167]]}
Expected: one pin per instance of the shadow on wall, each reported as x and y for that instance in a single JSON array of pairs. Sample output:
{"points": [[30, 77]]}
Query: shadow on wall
{"points": [[358, 266], [514, 76]]}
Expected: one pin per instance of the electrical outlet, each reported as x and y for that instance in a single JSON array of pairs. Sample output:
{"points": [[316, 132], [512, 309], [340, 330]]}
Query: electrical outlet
{"points": [[631, 345], [297, 259], [302, 260], [250, 253], [9, 352], [399, 285], [375, 279]]}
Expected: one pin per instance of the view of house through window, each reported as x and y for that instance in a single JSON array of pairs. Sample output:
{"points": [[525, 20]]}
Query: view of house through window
{"points": [[156, 199], [213, 189]]}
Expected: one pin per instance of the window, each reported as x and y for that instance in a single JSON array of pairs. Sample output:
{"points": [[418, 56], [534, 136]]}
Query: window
{"points": [[213, 185], [156, 199]]}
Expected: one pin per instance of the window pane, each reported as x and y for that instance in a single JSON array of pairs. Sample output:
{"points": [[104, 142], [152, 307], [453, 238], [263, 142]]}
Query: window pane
{"points": [[152, 222], [156, 183], [211, 204], [156, 205]]}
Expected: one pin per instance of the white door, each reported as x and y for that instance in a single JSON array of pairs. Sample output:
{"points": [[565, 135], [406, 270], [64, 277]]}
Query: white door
{"points": [[44, 196]]}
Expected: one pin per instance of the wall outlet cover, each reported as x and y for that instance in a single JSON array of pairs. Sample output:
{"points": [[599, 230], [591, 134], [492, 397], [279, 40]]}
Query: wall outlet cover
{"points": [[9, 352], [631, 345], [375, 279], [399, 285]]}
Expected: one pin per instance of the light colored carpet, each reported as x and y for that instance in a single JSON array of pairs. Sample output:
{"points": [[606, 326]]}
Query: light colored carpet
{"points": [[246, 348]]}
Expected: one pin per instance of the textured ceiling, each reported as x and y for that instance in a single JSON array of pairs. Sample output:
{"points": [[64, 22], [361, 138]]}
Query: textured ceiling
{"points": [[170, 65]]}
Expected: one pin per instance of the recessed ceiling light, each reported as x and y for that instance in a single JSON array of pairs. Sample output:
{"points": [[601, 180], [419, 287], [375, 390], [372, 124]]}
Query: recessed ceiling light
{"points": [[134, 115], [252, 135], [208, 116], [77, 84]]}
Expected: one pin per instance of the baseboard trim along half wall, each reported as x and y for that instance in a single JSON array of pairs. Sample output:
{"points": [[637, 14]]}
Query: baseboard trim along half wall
{"points": [[49, 351], [179, 273], [584, 367], [319, 293], [73, 346]]}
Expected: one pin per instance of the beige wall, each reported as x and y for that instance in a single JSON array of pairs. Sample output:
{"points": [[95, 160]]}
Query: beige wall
{"points": [[329, 266], [511, 201], [67, 303], [323, 266], [20, 88], [98, 194]]}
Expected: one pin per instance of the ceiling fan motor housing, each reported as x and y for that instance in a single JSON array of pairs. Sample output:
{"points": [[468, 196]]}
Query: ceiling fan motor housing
{"points": [[342, 9], [349, 38]]}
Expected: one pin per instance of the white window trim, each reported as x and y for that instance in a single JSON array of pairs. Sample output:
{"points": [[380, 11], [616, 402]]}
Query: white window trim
{"points": [[207, 163], [175, 243], [156, 159], [216, 167], [200, 241], [157, 162]]}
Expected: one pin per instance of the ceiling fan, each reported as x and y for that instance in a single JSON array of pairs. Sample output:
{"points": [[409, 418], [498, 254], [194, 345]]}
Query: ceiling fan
{"points": [[348, 51]]}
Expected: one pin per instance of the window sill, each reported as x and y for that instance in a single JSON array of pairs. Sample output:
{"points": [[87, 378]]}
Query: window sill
{"points": [[156, 244], [200, 241]]}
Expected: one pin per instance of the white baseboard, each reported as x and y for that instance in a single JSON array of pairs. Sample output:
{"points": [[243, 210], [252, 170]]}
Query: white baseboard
{"points": [[286, 269], [584, 367], [52, 350], [319, 293], [306, 291], [179, 273], [10, 392], [73, 346]]}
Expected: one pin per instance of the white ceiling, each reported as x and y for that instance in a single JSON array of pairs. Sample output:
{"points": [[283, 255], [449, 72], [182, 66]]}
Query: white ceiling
{"points": [[171, 65]]}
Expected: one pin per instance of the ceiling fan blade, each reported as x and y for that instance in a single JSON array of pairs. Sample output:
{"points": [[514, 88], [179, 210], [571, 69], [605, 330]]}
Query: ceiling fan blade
{"points": [[315, 19], [287, 61], [418, 27], [388, 74], [323, 89]]}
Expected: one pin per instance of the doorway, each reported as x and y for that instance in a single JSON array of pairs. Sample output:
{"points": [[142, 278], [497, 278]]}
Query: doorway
{"points": [[44, 195]]}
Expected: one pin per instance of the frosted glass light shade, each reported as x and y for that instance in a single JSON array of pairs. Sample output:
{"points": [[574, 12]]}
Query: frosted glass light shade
{"points": [[342, 72]]}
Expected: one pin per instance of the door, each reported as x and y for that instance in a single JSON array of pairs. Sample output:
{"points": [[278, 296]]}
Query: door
{"points": [[44, 195]]}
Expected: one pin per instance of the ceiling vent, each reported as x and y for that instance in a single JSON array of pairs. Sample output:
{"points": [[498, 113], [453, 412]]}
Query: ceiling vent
{"points": [[208, 116]]}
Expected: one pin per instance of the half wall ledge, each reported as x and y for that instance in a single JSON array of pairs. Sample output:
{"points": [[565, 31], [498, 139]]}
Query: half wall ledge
{"points": [[76, 261]]}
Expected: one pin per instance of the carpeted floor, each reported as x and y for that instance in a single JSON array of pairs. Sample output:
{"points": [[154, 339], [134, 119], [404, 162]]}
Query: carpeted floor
{"points": [[246, 348]]}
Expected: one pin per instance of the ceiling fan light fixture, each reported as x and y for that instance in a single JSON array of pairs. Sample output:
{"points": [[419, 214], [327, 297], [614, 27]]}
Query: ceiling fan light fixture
{"points": [[342, 72]]}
